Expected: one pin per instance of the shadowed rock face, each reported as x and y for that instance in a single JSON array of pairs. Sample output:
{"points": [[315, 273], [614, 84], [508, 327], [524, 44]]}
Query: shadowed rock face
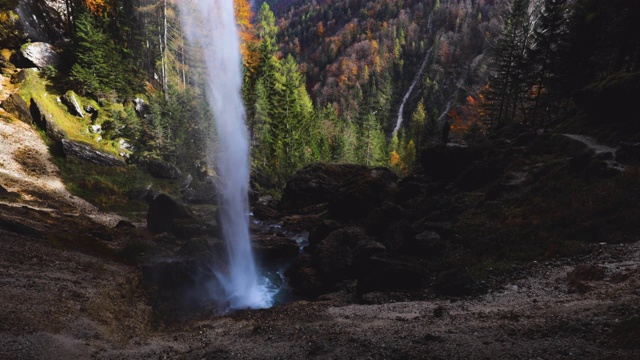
{"points": [[163, 213], [42, 20], [41, 54], [359, 188], [86, 152], [17, 107]]}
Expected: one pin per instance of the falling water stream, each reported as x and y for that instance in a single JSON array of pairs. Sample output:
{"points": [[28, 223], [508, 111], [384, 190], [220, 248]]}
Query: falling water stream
{"points": [[211, 26]]}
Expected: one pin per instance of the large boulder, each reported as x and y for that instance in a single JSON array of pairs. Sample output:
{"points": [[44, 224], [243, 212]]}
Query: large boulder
{"points": [[362, 193], [45, 121], [162, 169], [333, 255], [41, 54], [303, 277], [88, 153], [319, 183], [165, 214], [71, 102], [204, 193], [43, 20], [270, 248], [448, 162], [388, 272], [16, 106]]}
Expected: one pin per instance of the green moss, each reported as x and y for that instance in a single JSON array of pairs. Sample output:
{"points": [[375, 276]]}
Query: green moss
{"points": [[35, 87], [111, 188]]}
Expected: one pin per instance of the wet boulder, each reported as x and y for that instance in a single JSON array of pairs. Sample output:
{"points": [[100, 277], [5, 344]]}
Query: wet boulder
{"points": [[303, 278], [270, 248]]}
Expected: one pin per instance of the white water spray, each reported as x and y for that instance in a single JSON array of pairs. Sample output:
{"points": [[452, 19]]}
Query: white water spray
{"points": [[211, 26]]}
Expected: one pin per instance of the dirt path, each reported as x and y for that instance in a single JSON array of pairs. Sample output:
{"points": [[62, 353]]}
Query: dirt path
{"points": [[601, 150]]}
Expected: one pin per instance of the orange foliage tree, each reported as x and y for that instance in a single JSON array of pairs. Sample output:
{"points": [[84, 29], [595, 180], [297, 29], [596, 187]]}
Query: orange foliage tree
{"points": [[244, 15], [98, 6]]}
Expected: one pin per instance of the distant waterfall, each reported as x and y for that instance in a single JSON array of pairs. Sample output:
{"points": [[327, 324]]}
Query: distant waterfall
{"points": [[211, 26]]}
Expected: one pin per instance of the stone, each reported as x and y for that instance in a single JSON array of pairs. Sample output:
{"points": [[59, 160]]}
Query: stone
{"points": [[388, 272], [204, 193], [140, 107], [124, 224], [162, 169], [70, 100], [363, 193], [303, 278], [45, 121], [163, 211], [269, 248], [333, 255], [14, 105], [448, 162], [455, 282], [43, 20], [41, 54], [318, 183], [86, 152], [427, 244], [19, 77]]}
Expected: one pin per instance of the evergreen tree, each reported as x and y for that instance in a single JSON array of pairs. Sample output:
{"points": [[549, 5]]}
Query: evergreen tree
{"points": [[508, 82]]}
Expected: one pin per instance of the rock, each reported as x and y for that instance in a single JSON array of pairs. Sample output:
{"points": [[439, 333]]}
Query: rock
{"points": [[3, 191], [19, 77], [363, 251], [141, 108], [386, 272], [70, 100], [333, 255], [162, 169], [163, 212], [448, 162], [427, 244], [86, 152], [362, 193], [45, 121], [41, 54], [265, 212], [454, 282], [6, 68], [381, 218], [205, 193], [124, 224], [629, 153], [43, 20], [269, 248], [318, 183], [18, 227], [18, 107], [303, 278], [321, 231], [398, 235]]}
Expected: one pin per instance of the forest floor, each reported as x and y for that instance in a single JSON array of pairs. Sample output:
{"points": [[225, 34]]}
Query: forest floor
{"points": [[73, 299]]}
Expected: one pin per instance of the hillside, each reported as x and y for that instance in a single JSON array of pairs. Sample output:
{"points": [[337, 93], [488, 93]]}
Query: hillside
{"points": [[428, 180]]}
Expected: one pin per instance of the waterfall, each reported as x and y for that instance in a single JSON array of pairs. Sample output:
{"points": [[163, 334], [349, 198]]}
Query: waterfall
{"points": [[211, 26]]}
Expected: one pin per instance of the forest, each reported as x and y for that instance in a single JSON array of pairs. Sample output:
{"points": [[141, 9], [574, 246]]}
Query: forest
{"points": [[324, 79]]}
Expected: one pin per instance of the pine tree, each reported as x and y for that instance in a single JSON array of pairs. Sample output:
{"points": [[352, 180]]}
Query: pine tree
{"points": [[508, 82]]}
